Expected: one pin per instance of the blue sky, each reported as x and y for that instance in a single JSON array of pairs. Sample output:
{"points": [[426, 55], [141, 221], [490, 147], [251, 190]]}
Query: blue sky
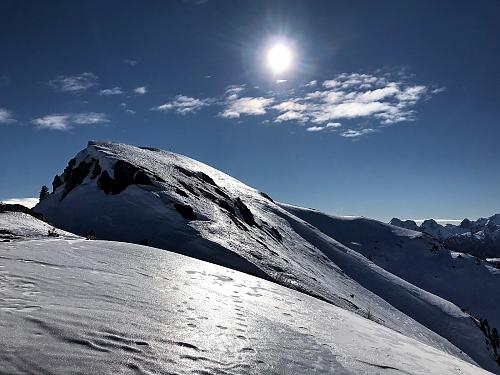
{"points": [[389, 108]]}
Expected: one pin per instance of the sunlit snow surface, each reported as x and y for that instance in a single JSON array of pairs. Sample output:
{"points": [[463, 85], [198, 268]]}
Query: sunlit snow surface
{"points": [[303, 257], [76, 306]]}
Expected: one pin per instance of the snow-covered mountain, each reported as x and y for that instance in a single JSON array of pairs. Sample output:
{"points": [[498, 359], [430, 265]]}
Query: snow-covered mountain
{"points": [[166, 200], [480, 238]]}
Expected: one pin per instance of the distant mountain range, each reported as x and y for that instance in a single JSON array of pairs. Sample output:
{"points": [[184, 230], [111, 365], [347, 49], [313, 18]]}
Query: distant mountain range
{"points": [[479, 238]]}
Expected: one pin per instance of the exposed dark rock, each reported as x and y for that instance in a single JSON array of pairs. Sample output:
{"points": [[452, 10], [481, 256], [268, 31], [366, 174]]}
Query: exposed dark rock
{"points": [[245, 213], [199, 175], [225, 205], [266, 196], [150, 148], [96, 171], [205, 178], [106, 183], [189, 188], [181, 192], [141, 178], [208, 195], [56, 182], [186, 211], [185, 171], [75, 176], [276, 234], [221, 192], [125, 174], [238, 223], [277, 268]]}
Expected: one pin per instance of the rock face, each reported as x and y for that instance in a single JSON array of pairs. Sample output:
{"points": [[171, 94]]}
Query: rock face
{"points": [[148, 196]]}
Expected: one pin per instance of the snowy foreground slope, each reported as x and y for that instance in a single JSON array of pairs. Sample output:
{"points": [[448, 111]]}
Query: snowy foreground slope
{"points": [[125, 193], [76, 306]]}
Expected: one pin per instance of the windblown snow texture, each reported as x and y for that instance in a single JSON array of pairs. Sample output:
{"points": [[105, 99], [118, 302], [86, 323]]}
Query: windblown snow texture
{"points": [[96, 307]]}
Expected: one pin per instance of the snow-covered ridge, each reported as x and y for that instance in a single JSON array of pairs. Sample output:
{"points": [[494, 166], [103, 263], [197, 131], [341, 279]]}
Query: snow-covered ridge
{"points": [[143, 195], [17, 222], [480, 238]]}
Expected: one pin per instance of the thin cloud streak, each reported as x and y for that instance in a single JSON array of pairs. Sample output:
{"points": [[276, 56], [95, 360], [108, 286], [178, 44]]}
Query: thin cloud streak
{"points": [[76, 83], [68, 121]]}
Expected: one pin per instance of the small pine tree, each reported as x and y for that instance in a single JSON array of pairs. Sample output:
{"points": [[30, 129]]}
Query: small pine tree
{"points": [[44, 192]]}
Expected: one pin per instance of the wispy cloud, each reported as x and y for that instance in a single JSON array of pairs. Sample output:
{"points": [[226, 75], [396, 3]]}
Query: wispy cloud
{"points": [[26, 202], [183, 105], [127, 109], [141, 90], [330, 126], [311, 83], [110, 92], [6, 116], [130, 62], [246, 106], [76, 83], [378, 100], [355, 133], [67, 121]]}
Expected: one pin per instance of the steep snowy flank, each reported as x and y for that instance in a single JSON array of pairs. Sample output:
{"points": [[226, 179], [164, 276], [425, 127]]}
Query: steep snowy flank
{"points": [[479, 238], [76, 306], [142, 195], [418, 259]]}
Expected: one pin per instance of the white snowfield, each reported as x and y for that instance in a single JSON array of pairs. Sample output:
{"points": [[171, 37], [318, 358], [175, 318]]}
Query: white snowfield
{"points": [[97, 307], [170, 201]]}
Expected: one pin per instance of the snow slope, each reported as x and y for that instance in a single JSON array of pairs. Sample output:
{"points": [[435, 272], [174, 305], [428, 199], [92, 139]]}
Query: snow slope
{"points": [[76, 306], [132, 194], [17, 225], [418, 259]]}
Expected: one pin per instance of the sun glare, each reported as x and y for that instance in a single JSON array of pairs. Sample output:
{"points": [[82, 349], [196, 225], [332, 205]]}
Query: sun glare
{"points": [[279, 58]]}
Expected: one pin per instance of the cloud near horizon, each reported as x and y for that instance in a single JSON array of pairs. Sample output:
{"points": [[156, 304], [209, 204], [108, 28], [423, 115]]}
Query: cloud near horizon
{"points": [[26, 202], [378, 100], [66, 121]]}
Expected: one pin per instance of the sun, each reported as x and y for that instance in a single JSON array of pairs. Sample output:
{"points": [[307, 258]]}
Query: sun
{"points": [[279, 58]]}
